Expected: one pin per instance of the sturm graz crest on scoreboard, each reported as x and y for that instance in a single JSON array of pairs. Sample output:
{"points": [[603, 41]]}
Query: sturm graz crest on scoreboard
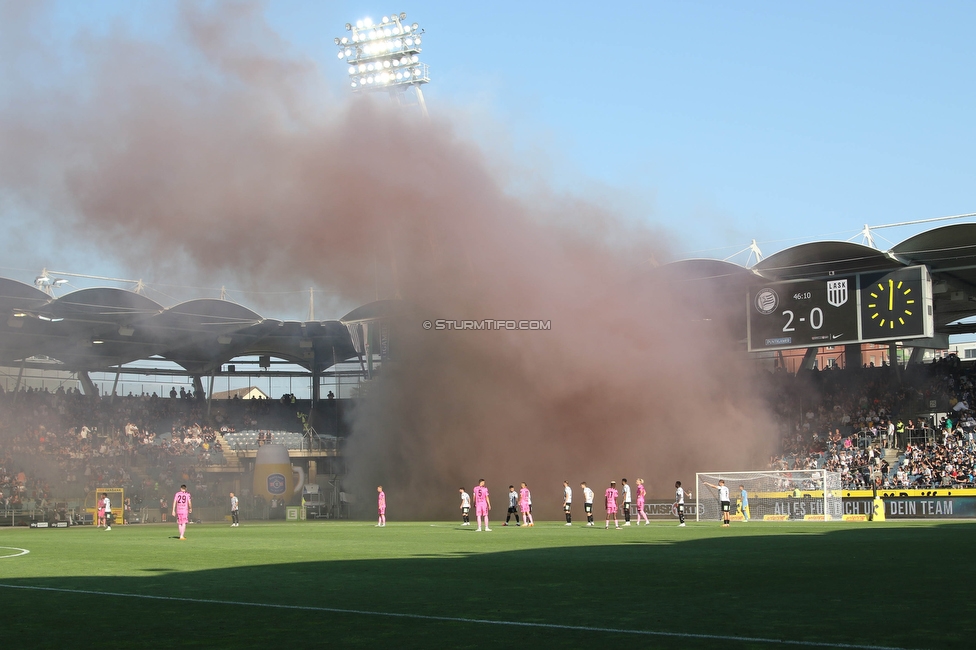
{"points": [[766, 301], [837, 292]]}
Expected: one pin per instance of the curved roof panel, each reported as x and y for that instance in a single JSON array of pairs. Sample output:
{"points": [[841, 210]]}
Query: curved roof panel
{"points": [[211, 310], [819, 259], [105, 304], [93, 329], [941, 248], [707, 269], [374, 310], [950, 254], [17, 295], [710, 290]]}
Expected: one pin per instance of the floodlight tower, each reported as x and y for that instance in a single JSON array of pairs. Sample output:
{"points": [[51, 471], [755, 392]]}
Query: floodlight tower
{"points": [[385, 56]]}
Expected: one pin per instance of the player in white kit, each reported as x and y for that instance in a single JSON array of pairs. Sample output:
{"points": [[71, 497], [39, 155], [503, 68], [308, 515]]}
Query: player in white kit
{"points": [[568, 503], [587, 503], [465, 507], [625, 493], [679, 501], [723, 499]]}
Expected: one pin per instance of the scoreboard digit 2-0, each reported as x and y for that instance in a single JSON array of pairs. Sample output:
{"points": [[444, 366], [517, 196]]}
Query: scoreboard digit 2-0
{"points": [[880, 306]]}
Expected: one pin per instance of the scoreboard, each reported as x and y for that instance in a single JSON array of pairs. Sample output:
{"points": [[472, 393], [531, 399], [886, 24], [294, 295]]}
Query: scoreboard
{"points": [[859, 308]]}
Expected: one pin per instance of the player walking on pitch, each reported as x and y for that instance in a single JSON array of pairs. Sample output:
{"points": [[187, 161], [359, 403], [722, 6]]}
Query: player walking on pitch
{"points": [[587, 503], [679, 501], [100, 512], [610, 498], [525, 505], [234, 510], [482, 504], [625, 488], [182, 508], [465, 507], [107, 507], [568, 503], [641, 494], [380, 506], [512, 506], [723, 498]]}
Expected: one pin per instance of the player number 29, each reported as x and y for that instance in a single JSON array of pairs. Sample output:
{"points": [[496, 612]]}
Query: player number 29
{"points": [[816, 319]]}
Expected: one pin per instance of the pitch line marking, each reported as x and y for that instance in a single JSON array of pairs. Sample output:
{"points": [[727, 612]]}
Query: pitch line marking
{"points": [[453, 619], [23, 551]]}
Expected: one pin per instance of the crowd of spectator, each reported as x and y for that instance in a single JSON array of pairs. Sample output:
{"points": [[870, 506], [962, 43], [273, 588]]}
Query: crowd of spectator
{"points": [[65, 444], [874, 426], [848, 420]]}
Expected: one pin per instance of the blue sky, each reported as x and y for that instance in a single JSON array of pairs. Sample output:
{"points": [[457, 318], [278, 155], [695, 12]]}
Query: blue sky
{"points": [[727, 121], [721, 122]]}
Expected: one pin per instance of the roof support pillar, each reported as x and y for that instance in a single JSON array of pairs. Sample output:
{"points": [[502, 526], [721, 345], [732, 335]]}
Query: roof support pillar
{"points": [[852, 356], [810, 359], [893, 359], [210, 392], [20, 374], [316, 379], [87, 385], [917, 355]]}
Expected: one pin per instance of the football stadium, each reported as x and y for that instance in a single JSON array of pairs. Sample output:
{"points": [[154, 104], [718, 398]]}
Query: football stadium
{"points": [[512, 427]]}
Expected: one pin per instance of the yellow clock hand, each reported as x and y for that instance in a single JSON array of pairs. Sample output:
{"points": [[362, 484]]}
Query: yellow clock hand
{"points": [[891, 295]]}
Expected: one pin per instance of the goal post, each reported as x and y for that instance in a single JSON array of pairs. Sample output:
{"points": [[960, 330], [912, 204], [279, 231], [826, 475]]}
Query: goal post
{"points": [[771, 495]]}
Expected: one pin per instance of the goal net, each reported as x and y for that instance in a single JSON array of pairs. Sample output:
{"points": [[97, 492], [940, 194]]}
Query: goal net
{"points": [[771, 495]]}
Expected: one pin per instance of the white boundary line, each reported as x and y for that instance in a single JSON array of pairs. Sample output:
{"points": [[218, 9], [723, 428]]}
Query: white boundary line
{"points": [[23, 551], [452, 619]]}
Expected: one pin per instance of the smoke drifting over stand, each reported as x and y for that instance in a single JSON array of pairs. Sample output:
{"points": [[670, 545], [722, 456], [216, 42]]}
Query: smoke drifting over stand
{"points": [[220, 149]]}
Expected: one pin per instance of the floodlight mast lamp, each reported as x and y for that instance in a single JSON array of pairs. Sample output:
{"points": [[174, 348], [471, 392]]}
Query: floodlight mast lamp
{"points": [[385, 56]]}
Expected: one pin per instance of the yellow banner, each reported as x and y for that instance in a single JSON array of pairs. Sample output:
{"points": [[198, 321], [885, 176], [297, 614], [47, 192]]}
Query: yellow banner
{"points": [[929, 492]]}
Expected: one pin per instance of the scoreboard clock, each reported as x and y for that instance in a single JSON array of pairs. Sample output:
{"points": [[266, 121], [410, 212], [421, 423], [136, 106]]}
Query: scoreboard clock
{"points": [[896, 304], [882, 306]]}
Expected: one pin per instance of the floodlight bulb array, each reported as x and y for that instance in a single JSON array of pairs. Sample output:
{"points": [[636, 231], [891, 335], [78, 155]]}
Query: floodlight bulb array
{"points": [[381, 77], [383, 54]]}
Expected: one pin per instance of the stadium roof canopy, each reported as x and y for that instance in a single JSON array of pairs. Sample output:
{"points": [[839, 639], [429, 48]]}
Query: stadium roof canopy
{"points": [[104, 328], [949, 252]]}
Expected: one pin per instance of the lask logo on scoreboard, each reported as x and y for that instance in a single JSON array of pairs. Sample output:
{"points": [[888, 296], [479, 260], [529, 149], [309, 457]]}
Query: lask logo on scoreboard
{"points": [[837, 293]]}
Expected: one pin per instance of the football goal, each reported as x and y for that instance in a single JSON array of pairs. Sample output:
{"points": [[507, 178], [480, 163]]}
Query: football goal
{"points": [[771, 495]]}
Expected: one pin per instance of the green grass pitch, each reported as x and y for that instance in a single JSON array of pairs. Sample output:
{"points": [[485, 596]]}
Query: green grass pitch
{"points": [[893, 584]]}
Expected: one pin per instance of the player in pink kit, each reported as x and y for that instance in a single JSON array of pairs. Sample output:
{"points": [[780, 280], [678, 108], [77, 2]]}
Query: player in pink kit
{"points": [[482, 504], [381, 506], [182, 507], [611, 500], [525, 505], [641, 493]]}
